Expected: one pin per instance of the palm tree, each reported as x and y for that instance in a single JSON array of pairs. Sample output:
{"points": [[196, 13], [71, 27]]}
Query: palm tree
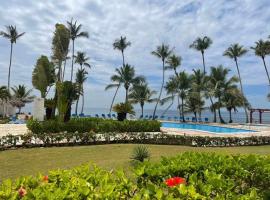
{"points": [[201, 44], [162, 52], [194, 103], [81, 77], [222, 84], [12, 35], [173, 62], [125, 76], [75, 32], [81, 59], [21, 96], [183, 82], [262, 49], [121, 44], [232, 99], [4, 94], [234, 52], [141, 93]]}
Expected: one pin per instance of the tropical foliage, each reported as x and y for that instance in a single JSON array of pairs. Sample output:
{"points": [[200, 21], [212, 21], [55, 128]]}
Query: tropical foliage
{"points": [[21, 96]]}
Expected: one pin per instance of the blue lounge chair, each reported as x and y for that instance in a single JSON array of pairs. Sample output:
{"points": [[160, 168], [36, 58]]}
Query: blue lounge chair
{"points": [[206, 119], [156, 117], [109, 116], [187, 119], [194, 119], [103, 115], [81, 115], [146, 117], [97, 116], [114, 116], [162, 117], [150, 117], [141, 116]]}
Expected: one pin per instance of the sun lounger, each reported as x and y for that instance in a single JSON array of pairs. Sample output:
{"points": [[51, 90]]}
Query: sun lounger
{"points": [[206, 120], [103, 115], [97, 116]]}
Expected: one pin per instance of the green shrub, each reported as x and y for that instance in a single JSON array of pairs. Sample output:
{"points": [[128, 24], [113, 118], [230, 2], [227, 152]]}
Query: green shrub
{"points": [[140, 153], [83, 125], [207, 176]]}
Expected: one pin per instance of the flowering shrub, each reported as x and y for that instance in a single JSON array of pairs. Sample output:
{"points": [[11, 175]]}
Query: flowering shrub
{"points": [[187, 176]]}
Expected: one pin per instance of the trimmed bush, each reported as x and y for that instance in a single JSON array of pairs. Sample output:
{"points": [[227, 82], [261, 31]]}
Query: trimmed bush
{"points": [[83, 125], [187, 176]]}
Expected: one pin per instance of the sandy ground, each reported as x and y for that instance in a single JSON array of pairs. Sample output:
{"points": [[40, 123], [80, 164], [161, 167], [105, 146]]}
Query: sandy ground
{"points": [[259, 130]]}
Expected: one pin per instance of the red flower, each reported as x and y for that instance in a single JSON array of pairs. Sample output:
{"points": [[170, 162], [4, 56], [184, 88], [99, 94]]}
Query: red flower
{"points": [[45, 178], [22, 192], [171, 182]]}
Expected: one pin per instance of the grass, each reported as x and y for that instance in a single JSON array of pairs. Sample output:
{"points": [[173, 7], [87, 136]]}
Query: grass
{"points": [[15, 163]]}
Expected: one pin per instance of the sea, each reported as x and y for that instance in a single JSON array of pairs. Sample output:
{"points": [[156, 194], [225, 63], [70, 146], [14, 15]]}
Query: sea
{"points": [[238, 117]]}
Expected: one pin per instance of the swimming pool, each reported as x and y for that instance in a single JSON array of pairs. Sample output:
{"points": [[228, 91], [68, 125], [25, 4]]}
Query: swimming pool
{"points": [[203, 127]]}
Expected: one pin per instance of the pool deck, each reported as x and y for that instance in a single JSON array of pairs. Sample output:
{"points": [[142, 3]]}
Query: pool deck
{"points": [[259, 130]]}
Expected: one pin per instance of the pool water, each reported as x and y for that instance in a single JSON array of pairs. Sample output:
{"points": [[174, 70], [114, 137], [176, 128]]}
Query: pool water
{"points": [[204, 127]]}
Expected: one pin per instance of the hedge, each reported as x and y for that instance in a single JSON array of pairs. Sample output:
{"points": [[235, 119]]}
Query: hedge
{"points": [[92, 138], [199, 175], [97, 125]]}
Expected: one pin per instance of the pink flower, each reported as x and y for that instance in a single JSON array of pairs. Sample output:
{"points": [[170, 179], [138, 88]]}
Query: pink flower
{"points": [[22, 192]]}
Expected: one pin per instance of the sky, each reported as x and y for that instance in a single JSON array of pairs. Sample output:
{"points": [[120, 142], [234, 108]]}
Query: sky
{"points": [[146, 24]]}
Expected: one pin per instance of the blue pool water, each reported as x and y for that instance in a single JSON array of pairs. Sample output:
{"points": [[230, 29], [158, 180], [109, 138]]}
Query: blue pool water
{"points": [[203, 127]]}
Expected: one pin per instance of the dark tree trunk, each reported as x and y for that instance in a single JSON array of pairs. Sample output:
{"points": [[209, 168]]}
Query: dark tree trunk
{"points": [[123, 58], [214, 110], [67, 114], [114, 97], [266, 70], [48, 113], [126, 95], [178, 107], [204, 71], [195, 115], [121, 116], [72, 62], [163, 77], [182, 101], [82, 103], [10, 61], [241, 87], [219, 113], [76, 108], [230, 114], [142, 104]]}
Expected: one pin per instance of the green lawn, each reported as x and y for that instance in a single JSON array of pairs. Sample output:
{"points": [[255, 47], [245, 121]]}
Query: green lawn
{"points": [[14, 163]]}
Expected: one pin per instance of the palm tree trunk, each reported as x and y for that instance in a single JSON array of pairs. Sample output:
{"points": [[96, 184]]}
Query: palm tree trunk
{"points": [[241, 87], [195, 115], [203, 63], [142, 108], [230, 114], [266, 70], [126, 95], [219, 113], [123, 58], [163, 77], [77, 103], [20, 108], [10, 61], [215, 114], [168, 107], [72, 62], [179, 110], [182, 99], [82, 101], [64, 69], [114, 97]]}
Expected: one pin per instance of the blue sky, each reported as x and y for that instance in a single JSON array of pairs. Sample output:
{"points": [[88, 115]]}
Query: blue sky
{"points": [[146, 23]]}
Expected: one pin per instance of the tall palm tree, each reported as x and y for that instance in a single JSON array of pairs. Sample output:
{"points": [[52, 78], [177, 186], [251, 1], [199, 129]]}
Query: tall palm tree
{"points": [[173, 62], [141, 93], [81, 77], [21, 96], [171, 89], [162, 52], [75, 32], [201, 44], [81, 59], [12, 35], [121, 44], [219, 78], [234, 52], [262, 49]]}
